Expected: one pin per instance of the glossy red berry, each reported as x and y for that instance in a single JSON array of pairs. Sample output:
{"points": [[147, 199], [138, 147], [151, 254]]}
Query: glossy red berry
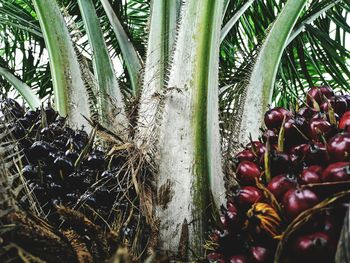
{"points": [[338, 103], [297, 153], [344, 122], [306, 112], [318, 94], [339, 171], [274, 117], [316, 154], [296, 201], [279, 163], [232, 211], [259, 254], [315, 247], [320, 127], [247, 172], [247, 196], [273, 136], [216, 258], [296, 131], [280, 184], [256, 147], [339, 147], [311, 175], [231, 218], [239, 259], [245, 155]]}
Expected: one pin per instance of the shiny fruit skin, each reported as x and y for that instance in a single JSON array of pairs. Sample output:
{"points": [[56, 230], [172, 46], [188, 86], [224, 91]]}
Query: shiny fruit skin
{"points": [[259, 148], [336, 172], [339, 147], [231, 218], [247, 196], [295, 201], [306, 112], [318, 127], [245, 155], [344, 122], [280, 184], [274, 117], [315, 247], [316, 154], [311, 175], [318, 93], [279, 163], [216, 258], [273, 136], [296, 131], [247, 172], [338, 103], [239, 259], [39, 150], [259, 254]]}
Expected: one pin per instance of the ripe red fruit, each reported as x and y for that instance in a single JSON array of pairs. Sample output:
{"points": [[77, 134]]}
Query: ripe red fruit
{"points": [[311, 175], [306, 112], [256, 146], [339, 171], [247, 172], [259, 254], [248, 195], [315, 247], [298, 152], [296, 201], [273, 136], [318, 94], [280, 184], [245, 155], [344, 122], [316, 154], [239, 259], [296, 131], [274, 117], [319, 126], [279, 163], [216, 257], [339, 147], [231, 218], [338, 103]]}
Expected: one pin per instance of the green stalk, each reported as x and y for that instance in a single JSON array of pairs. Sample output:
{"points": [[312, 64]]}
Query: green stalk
{"points": [[132, 59], [22, 88], [189, 145], [110, 101], [229, 25], [69, 92], [262, 80]]}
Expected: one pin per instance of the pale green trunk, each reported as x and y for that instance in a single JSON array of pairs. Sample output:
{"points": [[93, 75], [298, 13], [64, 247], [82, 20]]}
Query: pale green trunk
{"points": [[189, 145]]}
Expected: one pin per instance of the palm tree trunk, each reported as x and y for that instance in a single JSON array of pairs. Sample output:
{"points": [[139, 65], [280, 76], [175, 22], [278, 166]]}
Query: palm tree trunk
{"points": [[189, 145]]}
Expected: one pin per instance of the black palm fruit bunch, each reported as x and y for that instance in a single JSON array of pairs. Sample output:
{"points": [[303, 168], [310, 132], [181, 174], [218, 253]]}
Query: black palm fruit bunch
{"points": [[67, 187], [293, 187]]}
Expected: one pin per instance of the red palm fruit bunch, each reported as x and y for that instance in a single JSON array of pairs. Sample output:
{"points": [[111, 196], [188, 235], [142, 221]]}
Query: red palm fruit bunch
{"points": [[301, 159]]}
